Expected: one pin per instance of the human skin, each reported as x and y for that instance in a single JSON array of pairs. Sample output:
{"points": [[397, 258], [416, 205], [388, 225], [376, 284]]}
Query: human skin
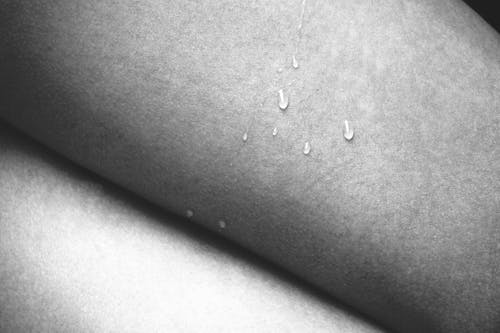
{"points": [[401, 223], [79, 255]]}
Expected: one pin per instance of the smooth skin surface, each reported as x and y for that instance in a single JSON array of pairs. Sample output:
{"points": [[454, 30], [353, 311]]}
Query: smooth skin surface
{"points": [[79, 255], [402, 223]]}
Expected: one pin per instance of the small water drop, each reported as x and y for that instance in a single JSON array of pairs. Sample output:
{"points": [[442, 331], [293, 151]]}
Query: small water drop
{"points": [[279, 70], [295, 63], [347, 131], [307, 148], [275, 131], [245, 137], [222, 224], [282, 100], [189, 213]]}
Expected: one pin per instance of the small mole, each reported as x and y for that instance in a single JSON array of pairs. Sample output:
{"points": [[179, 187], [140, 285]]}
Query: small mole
{"points": [[222, 224], [189, 213]]}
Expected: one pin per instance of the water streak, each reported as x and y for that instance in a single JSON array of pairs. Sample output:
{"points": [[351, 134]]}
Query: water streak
{"points": [[295, 63], [282, 100], [347, 131]]}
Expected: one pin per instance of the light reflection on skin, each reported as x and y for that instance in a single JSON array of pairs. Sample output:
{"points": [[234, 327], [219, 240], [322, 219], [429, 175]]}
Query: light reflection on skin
{"points": [[77, 256]]}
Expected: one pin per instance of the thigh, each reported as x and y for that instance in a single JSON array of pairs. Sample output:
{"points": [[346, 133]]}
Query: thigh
{"points": [[77, 254], [158, 95]]}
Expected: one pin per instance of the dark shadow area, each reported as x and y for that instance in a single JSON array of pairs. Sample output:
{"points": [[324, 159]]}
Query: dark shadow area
{"points": [[178, 223], [488, 10]]}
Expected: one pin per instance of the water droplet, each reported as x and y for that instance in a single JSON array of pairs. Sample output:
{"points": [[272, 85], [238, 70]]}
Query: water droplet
{"points": [[295, 63], [307, 148], [282, 100], [222, 224], [347, 131], [302, 10], [275, 131], [245, 137], [189, 213], [280, 70]]}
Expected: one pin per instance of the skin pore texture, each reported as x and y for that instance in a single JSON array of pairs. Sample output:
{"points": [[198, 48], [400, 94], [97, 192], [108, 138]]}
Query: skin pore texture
{"points": [[80, 255], [402, 222]]}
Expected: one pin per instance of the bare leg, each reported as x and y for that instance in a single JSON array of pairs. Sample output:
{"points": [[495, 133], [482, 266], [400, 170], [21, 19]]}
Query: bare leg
{"points": [[402, 222], [78, 255]]}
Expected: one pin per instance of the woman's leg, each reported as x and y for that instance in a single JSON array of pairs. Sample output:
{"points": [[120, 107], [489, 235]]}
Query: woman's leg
{"points": [[401, 222], [78, 255]]}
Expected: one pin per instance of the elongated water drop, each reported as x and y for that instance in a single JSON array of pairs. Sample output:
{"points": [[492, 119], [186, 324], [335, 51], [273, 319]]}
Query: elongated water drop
{"points": [[222, 224], [347, 131], [302, 10], [245, 137], [307, 148], [275, 131], [282, 100], [295, 63], [189, 213]]}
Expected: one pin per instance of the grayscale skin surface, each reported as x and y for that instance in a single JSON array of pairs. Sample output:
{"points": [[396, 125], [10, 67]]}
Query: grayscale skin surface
{"points": [[77, 254], [402, 222]]}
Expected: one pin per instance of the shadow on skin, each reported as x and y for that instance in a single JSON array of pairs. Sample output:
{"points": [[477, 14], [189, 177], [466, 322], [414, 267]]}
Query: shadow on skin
{"points": [[125, 216], [410, 208]]}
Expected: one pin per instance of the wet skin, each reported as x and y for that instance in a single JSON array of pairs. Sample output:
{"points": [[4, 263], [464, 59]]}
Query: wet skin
{"points": [[402, 222], [80, 255]]}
